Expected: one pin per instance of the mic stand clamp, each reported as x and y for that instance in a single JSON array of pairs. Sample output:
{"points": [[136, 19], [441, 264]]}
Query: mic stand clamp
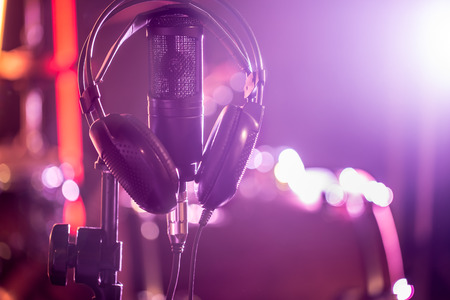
{"points": [[96, 255]]}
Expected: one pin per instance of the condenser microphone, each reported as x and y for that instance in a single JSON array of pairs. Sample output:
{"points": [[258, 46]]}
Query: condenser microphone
{"points": [[175, 100]]}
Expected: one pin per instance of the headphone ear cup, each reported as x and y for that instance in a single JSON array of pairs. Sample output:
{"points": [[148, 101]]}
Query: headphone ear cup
{"points": [[138, 160], [226, 153]]}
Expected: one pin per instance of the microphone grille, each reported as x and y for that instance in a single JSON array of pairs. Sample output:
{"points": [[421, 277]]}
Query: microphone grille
{"points": [[174, 56]]}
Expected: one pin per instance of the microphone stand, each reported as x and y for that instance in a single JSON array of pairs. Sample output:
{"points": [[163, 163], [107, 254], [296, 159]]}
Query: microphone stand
{"points": [[112, 249], [97, 255]]}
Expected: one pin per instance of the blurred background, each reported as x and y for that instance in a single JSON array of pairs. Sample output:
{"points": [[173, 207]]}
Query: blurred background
{"points": [[345, 196]]}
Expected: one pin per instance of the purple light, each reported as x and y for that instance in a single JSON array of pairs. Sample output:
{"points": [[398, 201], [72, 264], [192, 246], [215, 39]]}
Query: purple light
{"points": [[250, 187], [149, 230], [266, 161], [210, 107], [222, 95], [237, 81], [254, 160]]}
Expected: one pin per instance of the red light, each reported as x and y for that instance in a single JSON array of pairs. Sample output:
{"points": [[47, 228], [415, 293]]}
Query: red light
{"points": [[64, 34], [69, 122], [74, 213], [66, 91]]}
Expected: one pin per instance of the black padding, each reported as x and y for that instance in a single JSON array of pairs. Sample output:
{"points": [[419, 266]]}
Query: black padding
{"points": [[226, 153], [137, 160]]}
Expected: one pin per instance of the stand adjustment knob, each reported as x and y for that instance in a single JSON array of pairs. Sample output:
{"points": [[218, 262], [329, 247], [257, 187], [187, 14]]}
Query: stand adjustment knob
{"points": [[61, 254]]}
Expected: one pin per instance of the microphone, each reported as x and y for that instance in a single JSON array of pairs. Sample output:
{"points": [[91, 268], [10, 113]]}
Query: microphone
{"points": [[175, 100], [175, 111]]}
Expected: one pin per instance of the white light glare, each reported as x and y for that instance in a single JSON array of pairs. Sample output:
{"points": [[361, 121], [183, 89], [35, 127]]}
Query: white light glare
{"points": [[52, 177], [433, 44], [378, 193], [70, 190], [315, 182], [351, 181], [290, 168], [402, 289]]}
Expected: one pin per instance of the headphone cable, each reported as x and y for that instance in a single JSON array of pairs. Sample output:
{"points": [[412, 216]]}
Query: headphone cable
{"points": [[171, 289], [204, 219]]}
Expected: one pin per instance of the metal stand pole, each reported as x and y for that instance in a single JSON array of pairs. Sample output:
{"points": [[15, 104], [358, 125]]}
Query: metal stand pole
{"points": [[110, 288]]}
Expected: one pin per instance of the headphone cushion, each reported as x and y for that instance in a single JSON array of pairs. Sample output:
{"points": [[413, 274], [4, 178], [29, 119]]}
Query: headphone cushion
{"points": [[138, 160], [226, 154]]}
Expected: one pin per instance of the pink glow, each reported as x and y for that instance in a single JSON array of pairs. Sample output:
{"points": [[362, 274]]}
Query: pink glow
{"points": [[388, 231]]}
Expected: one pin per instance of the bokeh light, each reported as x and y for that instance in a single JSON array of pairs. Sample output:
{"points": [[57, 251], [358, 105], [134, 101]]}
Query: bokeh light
{"points": [[402, 289], [254, 160], [352, 181], [290, 168], [5, 174], [33, 109], [378, 193], [149, 230], [52, 177], [312, 186], [355, 205], [237, 81], [5, 251], [222, 95], [265, 161], [335, 195], [250, 187], [195, 212], [70, 190], [209, 106]]}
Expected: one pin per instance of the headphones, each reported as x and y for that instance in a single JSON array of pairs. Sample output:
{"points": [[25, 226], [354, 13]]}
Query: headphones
{"points": [[132, 151]]}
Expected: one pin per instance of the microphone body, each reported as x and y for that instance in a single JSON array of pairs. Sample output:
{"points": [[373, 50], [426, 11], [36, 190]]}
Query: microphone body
{"points": [[175, 100]]}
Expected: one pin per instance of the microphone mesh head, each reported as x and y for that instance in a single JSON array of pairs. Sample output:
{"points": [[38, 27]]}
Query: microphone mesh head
{"points": [[173, 58]]}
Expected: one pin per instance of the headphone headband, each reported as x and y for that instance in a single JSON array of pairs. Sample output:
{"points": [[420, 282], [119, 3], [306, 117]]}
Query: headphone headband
{"points": [[88, 88]]}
